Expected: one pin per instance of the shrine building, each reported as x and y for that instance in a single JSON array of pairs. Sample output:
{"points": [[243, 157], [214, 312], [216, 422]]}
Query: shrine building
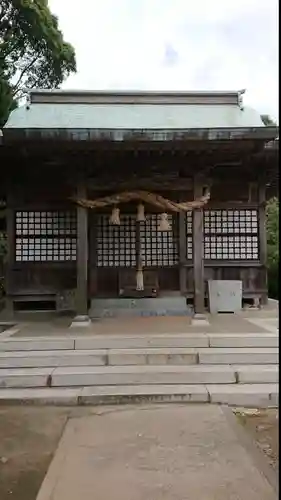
{"points": [[115, 196]]}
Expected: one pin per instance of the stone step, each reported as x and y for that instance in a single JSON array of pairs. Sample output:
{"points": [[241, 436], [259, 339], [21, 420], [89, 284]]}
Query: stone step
{"points": [[139, 356], [258, 395], [190, 374], [243, 340], [142, 341], [92, 342], [138, 312], [129, 307], [160, 356], [36, 344], [222, 355], [38, 359], [116, 375], [136, 375], [256, 374], [25, 377], [176, 340]]}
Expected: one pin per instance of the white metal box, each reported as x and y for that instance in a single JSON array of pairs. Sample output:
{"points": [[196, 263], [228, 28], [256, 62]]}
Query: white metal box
{"points": [[225, 295]]}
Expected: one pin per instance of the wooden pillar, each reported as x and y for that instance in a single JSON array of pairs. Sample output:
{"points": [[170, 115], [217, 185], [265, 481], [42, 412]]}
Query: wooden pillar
{"points": [[138, 245], [10, 257], [182, 250], [262, 235], [82, 256], [92, 258], [198, 250]]}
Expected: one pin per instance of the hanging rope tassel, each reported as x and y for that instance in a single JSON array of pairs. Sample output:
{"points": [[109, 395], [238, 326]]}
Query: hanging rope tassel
{"points": [[140, 213], [115, 216], [139, 280], [164, 224]]}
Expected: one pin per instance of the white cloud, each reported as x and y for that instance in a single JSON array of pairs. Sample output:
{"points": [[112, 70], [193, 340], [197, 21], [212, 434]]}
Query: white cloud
{"points": [[175, 45]]}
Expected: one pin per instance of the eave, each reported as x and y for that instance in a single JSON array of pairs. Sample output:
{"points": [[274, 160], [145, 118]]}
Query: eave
{"points": [[264, 134]]}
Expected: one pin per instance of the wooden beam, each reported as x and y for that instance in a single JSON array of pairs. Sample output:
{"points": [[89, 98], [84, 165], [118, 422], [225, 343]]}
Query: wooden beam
{"points": [[150, 184], [198, 250], [82, 254]]}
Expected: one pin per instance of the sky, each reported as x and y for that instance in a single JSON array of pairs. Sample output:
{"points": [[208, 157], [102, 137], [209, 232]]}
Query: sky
{"points": [[175, 45]]}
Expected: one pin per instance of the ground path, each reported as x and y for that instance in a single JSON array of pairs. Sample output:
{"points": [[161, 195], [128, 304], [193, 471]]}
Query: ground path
{"points": [[155, 452]]}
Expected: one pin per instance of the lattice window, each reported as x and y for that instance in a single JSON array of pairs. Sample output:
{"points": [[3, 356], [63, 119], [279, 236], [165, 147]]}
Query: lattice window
{"points": [[231, 234], [116, 245], [159, 248], [46, 236]]}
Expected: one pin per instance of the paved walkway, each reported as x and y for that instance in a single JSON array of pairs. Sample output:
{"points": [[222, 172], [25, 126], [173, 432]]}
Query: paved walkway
{"points": [[153, 453], [226, 323], [246, 321], [269, 324]]}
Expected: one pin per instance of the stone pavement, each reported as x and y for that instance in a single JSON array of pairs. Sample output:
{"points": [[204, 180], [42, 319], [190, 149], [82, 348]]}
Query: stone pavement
{"points": [[152, 453], [248, 320], [54, 326]]}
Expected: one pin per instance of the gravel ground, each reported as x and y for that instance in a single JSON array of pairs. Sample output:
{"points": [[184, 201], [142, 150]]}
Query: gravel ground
{"points": [[262, 425]]}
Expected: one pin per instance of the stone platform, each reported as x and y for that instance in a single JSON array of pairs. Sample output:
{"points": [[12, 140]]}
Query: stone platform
{"points": [[140, 307]]}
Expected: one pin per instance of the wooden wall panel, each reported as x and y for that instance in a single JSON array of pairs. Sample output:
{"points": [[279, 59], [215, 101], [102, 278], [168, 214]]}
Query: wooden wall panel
{"points": [[40, 278], [252, 277]]}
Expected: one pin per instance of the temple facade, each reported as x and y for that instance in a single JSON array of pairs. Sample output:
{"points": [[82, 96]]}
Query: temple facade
{"points": [[114, 195]]}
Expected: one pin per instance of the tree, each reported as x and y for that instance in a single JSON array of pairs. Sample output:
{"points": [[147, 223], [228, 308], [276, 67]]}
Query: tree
{"points": [[268, 121], [272, 214], [33, 52], [7, 101]]}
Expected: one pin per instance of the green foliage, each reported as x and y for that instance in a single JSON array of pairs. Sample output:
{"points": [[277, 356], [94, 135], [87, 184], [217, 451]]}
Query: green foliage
{"points": [[33, 52], [272, 213], [267, 121], [7, 102]]}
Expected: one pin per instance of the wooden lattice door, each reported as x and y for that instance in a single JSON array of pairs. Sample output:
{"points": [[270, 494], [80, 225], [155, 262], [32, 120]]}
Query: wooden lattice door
{"points": [[118, 247]]}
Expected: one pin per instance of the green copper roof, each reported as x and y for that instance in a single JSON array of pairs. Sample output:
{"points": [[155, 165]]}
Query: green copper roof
{"points": [[133, 111]]}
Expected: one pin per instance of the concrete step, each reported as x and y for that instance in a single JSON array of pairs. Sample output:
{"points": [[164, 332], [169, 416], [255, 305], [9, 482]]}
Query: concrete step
{"points": [[256, 374], [116, 375], [176, 340], [36, 344], [39, 359], [129, 307], [259, 355], [142, 341], [93, 342], [158, 356], [136, 375], [165, 374], [139, 356], [258, 395], [243, 340], [25, 377]]}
